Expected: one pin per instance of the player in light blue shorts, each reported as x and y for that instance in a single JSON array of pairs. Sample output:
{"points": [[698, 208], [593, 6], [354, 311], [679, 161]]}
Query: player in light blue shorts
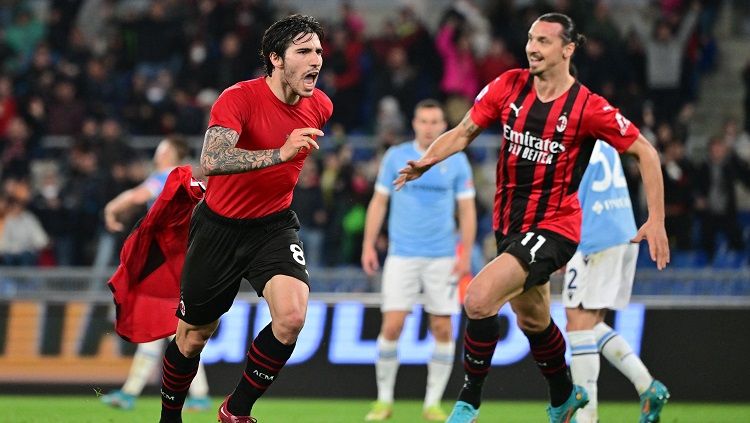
{"points": [[421, 255], [598, 278]]}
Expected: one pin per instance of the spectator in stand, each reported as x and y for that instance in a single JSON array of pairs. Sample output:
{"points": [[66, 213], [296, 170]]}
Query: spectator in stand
{"points": [[14, 149], [597, 66], [47, 204], [157, 36], [351, 18], [99, 88], [232, 66], [717, 200], [21, 235], [737, 139], [113, 146], [24, 34], [665, 54], [497, 60], [602, 26], [310, 208], [83, 201], [397, 79], [343, 77], [66, 111], [678, 195], [8, 106], [460, 81], [188, 115], [197, 71]]}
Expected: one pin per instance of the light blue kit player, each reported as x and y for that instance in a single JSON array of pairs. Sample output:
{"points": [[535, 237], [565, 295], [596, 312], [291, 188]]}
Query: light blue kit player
{"points": [[598, 278], [170, 153], [421, 255]]}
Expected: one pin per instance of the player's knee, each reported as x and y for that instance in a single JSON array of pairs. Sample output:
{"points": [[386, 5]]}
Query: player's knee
{"points": [[442, 333], [531, 324], [391, 332], [192, 345], [289, 326], [477, 308]]}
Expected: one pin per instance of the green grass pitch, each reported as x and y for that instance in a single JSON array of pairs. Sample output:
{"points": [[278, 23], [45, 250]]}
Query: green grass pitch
{"points": [[88, 409]]}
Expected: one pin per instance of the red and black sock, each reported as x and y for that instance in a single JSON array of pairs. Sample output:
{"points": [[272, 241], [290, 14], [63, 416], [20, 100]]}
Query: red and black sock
{"points": [[265, 359], [178, 372], [548, 350], [480, 340]]}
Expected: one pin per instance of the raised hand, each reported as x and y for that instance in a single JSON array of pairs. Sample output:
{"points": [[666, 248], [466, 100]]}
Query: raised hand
{"points": [[413, 170]]}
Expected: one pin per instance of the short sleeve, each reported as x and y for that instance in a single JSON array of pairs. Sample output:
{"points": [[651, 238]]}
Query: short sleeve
{"points": [[326, 107], [487, 105], [154, 185], [603, 121], [464, 182], [387, 173], [230, 110]]}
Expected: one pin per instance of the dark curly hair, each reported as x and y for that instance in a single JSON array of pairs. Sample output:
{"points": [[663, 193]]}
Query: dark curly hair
{"points": [[279, 36]]}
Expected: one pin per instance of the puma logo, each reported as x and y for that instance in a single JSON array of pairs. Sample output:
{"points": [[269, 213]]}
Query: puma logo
{"points": [[515, 109]]}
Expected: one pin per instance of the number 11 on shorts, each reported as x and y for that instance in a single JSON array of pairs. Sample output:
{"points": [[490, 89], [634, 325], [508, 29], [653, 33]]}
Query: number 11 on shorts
{"points": [[539, 242]]}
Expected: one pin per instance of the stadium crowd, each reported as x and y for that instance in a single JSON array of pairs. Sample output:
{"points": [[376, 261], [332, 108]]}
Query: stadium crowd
{"points": [[102, 72]]}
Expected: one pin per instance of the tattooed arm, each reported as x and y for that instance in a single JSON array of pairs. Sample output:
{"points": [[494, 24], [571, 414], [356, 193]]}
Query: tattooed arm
{"points": [[445, 145], [221, 157]]}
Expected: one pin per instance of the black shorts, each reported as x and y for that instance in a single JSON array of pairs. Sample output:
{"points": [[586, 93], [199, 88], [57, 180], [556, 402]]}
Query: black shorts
{"points": [[541, 253], [223, 251]]}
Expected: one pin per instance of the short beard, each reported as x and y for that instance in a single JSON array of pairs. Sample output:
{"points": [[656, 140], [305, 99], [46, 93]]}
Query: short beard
{"points": [[289, 84]]}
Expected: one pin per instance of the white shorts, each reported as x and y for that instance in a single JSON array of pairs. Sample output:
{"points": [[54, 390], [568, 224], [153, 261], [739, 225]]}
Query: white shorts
{"points": [[600, 280], [404, 278]]}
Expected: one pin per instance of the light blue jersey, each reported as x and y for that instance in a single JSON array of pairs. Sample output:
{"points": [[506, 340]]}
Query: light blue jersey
{"points": [[607, 211], [422, 214], [155, 184]]}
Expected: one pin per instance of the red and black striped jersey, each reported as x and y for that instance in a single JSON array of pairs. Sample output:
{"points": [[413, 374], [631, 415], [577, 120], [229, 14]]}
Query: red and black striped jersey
{"points": [[545, 149]]}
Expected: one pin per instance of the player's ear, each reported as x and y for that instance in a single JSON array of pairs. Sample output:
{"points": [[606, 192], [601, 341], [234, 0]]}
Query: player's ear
{"points": [[569, 49], [276, 60]]}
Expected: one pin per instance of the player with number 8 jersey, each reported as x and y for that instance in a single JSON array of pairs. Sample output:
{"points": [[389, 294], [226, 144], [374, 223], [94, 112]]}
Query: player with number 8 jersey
{"points": [[549, 123], [259, 134]]}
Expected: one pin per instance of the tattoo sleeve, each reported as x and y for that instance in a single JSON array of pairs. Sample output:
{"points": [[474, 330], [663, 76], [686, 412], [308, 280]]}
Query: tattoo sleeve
{"points": [[221, 157]]}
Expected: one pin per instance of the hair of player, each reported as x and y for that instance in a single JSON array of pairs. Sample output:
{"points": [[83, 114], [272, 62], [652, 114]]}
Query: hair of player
{"points": [[429, 103], [279, 36], [569, 33], [180, 146]]}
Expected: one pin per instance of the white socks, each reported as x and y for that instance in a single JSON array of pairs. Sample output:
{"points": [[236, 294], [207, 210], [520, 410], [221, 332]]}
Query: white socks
{"points": [[584, 368], [386, 368], [199, 386], [438, 372], [147, 356], [617, 351]]}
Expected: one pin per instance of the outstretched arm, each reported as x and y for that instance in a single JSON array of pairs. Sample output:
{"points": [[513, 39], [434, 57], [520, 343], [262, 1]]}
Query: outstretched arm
{"points": [[445, 145], [126, 200], [221, 157], [653, 230]]}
